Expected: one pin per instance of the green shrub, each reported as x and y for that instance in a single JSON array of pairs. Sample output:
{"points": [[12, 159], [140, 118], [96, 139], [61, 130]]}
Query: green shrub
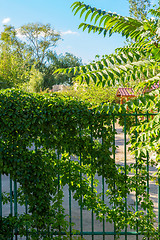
{"points": [[92, 94]]}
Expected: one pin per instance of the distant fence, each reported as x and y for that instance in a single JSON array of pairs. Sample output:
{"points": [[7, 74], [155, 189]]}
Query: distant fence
{"points": [[86, 224]]}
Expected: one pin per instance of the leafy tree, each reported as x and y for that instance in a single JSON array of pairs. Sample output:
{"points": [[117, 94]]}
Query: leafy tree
{"points": [[39, 40], [9, 40], [135, 61], [13, 69], [33, 39], [68, 60], [139, 8], [35, 83], [58, 61], [32, 47], [15, 63]]}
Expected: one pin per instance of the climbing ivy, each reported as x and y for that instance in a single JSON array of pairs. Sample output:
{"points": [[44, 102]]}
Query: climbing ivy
{"points": [[58, 128], [39, 135]]}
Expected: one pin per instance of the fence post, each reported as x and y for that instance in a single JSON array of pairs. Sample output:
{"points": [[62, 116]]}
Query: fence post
{"points": [[11, 195], [70, 199], [15, 206], [26, 211], [147, 170], [81, 210], [92, 214], [0, 195], [136, 178], [159, 206], [103, 189], [125, 165], [114, 157]]}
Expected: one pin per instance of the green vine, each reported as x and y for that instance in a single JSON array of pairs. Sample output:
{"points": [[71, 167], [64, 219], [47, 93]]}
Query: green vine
{"points": [[39, 134]]}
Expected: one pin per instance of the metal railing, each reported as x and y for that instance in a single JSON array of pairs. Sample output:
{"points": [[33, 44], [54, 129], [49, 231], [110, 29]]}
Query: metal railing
{"points": [[86, 223]]}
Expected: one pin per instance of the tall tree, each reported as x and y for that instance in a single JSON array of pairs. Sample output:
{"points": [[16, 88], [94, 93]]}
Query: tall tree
{"points": [[14, 68], [139, 8], [33, 46], [133, 62], [59, 61], [33, 39], [9, 40], [39, 40]]}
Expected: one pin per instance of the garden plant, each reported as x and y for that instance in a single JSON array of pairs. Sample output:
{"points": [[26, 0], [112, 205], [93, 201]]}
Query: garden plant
{"points": [[60, 127]]}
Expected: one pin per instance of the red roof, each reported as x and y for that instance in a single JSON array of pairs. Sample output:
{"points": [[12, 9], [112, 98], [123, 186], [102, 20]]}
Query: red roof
{"points": [[155, 86], [125, 92]]}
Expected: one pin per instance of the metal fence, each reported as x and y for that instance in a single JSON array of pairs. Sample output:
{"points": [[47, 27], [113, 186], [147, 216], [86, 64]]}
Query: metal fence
{"points": [[85, 222]]}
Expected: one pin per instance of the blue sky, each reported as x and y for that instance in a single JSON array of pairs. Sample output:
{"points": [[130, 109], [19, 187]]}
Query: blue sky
{"points": [[59, 14]]}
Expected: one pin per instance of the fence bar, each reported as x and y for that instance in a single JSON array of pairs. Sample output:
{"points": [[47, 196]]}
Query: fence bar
{"points": [[110, 233], [26, 211], [92, 214], [15, 206], [159, 207], [58, 187], [70, 200], [147, 171], [114, 154], [11, 205], [0, 195], [81, 210], [158, 202], [132, 114], [125, 165], [11, 195], [103, 190], [103, 201], [136, 181], [114, 157], [100, 233], [147, 163], [36, 149]]}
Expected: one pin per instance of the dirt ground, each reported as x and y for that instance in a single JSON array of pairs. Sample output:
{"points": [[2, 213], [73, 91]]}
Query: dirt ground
{"points": [[87, 219]]}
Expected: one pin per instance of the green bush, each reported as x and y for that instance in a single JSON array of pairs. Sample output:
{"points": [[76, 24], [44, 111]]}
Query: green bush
{"points": [[92, 94]]}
